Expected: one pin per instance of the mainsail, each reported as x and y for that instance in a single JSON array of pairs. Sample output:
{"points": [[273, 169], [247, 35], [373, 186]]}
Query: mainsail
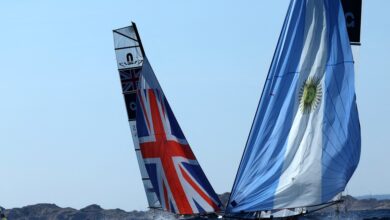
{"points": [[130, 57], [304, 144], [172, 176]]}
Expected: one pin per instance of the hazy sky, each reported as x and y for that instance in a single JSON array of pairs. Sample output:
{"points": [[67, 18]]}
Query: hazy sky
{"points": [[63, 124]]}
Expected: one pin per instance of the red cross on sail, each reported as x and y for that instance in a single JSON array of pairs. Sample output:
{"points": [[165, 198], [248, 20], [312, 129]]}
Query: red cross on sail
{"points": [[176, 176]]}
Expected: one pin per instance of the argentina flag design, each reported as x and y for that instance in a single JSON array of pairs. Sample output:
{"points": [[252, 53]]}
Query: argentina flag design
{"points": [[304, 144]]}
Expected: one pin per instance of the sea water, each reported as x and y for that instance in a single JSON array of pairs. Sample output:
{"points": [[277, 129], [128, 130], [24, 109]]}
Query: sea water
{"points": [[353, 215], [350, 215]]}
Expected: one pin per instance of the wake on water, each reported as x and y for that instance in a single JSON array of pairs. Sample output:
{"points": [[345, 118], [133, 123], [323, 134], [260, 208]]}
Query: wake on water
{"points": [[160, 215]]}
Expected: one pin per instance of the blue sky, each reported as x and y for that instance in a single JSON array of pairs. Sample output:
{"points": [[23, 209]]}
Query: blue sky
{"points": [[64, 132]]}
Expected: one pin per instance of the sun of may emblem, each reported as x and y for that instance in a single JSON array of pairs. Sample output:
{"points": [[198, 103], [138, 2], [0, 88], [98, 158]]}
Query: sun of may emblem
{"points": [[310, 95]]}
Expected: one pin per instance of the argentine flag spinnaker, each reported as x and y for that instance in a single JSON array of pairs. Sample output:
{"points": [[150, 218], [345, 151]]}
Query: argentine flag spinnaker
{"points": [[304, 144]]}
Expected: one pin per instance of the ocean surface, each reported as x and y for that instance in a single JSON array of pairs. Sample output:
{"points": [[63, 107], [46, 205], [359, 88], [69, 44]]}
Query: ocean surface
{"points": [[351, 215], [367, 214]]}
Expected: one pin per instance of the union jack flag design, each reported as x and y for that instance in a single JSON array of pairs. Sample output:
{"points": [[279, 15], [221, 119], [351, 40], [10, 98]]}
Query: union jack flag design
{"points": [[129, 79], [176, 176]]}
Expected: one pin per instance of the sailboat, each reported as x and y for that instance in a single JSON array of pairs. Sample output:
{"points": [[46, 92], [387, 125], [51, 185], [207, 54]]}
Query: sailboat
{"points": [[304, 144], [172, 177]]}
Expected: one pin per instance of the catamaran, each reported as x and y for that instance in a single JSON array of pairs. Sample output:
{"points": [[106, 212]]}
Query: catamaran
{"points": [[172, 177], [304, 144]]}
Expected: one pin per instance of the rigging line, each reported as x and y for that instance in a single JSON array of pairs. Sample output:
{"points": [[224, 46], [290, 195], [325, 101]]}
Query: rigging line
{"points": [[308, 69], [261, 97]]}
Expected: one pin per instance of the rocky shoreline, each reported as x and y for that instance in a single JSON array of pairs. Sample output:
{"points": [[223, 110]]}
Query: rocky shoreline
{"points": [[51, 211]]}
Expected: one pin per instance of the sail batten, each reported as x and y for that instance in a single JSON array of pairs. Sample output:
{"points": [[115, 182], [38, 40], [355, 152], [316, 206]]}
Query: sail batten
{"points": [[304, 144]]}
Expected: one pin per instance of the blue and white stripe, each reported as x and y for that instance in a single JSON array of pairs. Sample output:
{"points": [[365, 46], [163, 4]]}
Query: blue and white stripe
{"points": [[292, 158]]}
